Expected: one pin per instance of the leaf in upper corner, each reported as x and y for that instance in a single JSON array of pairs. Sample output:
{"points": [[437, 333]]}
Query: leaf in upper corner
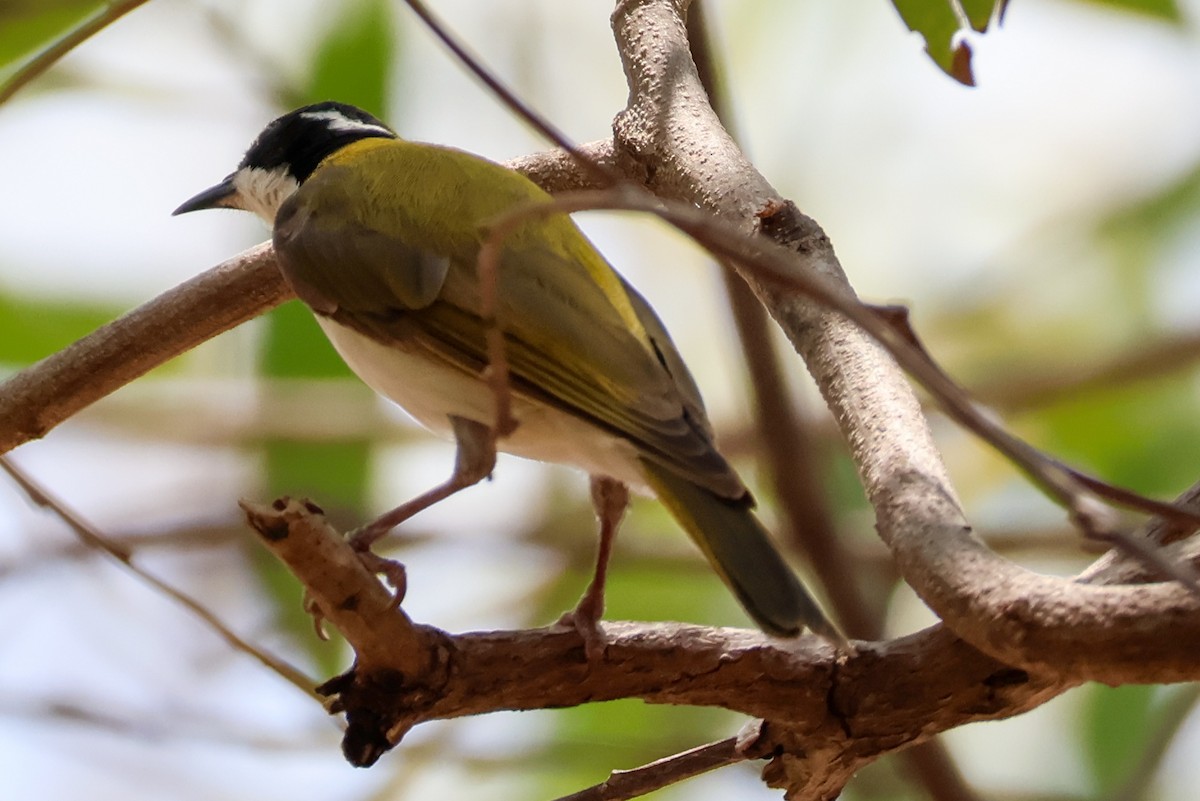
{"points": [[27, 25], [940, 26], [980, 12], [1163, 9]]}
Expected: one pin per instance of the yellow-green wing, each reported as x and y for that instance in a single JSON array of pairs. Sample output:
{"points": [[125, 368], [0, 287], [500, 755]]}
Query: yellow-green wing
{"points": [[577, 336], [334, 261]]}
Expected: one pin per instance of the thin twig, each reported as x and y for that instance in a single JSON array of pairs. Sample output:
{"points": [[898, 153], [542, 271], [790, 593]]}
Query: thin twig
{"points": [[622, 785], [1033, 387], [1070, 488], [51, 53], [793, 455], [599, 172], [193, 537], [90, 535]]}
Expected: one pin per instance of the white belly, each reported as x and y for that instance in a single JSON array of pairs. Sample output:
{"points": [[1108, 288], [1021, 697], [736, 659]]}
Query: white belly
{"points": [[431, 393]]}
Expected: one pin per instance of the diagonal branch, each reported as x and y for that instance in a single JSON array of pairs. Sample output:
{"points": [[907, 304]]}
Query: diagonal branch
{"points": [[93, 538], [622, 785], [37, 399], [990, 601], [40, 397], [830, 714]]}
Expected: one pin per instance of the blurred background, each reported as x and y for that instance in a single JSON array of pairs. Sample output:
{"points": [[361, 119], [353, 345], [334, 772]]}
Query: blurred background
{"points": [[1040, 227]]}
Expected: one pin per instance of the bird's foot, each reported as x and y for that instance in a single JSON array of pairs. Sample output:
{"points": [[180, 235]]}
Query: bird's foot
{"points": [[393, 572], [585, 619]]}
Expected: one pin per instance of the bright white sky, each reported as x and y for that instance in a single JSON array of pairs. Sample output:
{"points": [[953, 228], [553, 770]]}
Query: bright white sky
{"points": [[924, 187]]}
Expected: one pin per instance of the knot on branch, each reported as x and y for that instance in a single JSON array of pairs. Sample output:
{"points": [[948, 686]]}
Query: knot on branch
{"points": [[782, 221], [381, 706]]}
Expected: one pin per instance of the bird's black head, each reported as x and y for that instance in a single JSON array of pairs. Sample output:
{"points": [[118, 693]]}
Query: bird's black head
{"points": [[300, 140], [285, 154]]}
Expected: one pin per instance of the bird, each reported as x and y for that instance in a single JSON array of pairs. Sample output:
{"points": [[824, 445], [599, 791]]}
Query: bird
{"points": [[380, 237]]}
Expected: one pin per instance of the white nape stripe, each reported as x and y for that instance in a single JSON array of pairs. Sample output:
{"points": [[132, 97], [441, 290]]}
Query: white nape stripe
{"points": [[340, 122]]}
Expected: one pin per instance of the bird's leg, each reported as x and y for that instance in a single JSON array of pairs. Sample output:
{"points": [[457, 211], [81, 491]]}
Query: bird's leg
{"points": [[473, 462], [610, 498]]}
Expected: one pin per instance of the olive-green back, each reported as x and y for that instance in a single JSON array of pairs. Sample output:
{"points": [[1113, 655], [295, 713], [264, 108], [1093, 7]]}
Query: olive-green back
{"points": [[384, 238]]}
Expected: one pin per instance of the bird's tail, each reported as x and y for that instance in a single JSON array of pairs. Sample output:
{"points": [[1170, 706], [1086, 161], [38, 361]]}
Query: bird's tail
{"points": [[741, 551]]}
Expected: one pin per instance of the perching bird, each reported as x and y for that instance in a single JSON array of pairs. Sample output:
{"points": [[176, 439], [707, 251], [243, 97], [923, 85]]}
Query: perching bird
{"points": [[380, 237]]}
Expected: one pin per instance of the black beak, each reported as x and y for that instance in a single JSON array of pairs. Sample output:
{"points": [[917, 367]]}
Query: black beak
{"points": [[223, 195]]}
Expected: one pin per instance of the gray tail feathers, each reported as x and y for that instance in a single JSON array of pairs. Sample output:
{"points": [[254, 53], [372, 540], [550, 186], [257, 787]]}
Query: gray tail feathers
{"points": [[740, 550]]}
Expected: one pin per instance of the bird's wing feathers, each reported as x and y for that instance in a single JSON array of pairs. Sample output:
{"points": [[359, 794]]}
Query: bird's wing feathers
{"points": [[577, 336], [333, 261]]}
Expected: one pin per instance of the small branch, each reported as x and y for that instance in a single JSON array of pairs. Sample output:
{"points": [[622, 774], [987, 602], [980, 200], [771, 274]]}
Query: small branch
{"points": [[92, 537], [52, 53], [341, 588], [557, 171], [597, 172], [793, 454], [397, 663], [622, 785], [846, 708], [985, 598], [1033, 388], [795, 458], [954, 570]]}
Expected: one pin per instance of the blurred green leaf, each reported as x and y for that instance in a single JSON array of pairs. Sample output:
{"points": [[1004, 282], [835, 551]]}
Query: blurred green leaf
{"points": [[354, 60], [593, 739], [979, 12], [28, 25], [1144, 436], [1116, 724], [295, 347], [32, 329], [939, 24], [1163, 9], [334, 474], [34, 35], [1140, 231]]}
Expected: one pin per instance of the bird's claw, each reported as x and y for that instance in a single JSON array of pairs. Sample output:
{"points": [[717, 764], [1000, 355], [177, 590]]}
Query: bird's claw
{"points": [[393, 571]]}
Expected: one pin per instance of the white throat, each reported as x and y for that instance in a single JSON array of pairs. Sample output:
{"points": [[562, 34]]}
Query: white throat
{"points": [[263, 191]]}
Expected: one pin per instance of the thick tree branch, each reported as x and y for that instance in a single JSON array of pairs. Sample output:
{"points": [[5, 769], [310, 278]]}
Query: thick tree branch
{"points": [[795, 458], [37, 399], [840, 711], [987, 599]]}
